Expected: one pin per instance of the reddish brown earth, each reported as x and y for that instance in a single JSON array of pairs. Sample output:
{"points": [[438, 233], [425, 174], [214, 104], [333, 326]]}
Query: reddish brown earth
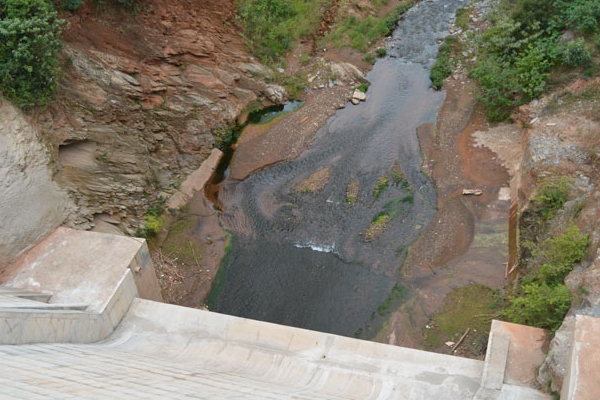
{"points": [[441, 258]]}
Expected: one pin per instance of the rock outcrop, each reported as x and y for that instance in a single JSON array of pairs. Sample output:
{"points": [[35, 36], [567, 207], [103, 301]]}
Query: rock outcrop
{"points": [[144, 98], [32, 204]]}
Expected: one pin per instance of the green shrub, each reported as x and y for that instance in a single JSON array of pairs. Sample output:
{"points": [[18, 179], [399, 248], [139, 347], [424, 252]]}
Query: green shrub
{"points": [[381, 51], [369, 58], [363, 87], [574, 54], [543, 300], [499, 88], [561, 253], [29, 45], [551, 195], [153, 224], [443, 66], [73, 5], [380, 187], [541, 305], [361, 33], [531, 67], [579, 15], [532, 14]]}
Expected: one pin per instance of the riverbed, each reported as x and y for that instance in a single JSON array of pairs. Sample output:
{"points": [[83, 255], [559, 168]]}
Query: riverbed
{"points": [[302, 258]]}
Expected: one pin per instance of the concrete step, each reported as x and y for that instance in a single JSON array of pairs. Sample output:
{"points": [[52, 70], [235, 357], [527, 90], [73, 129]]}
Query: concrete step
{"points": [[43, 297]]}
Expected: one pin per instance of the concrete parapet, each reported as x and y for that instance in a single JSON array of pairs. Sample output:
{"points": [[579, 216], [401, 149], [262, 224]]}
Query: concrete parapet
{"points": [[39, 324], [581, 380], [82, 267], [93, 278]]}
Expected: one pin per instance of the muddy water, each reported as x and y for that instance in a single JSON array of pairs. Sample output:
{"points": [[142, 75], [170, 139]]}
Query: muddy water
{"points": [[301, 259]]}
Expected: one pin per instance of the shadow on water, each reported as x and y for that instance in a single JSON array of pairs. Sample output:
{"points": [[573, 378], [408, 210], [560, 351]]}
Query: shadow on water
{"points": [[302, 258]]}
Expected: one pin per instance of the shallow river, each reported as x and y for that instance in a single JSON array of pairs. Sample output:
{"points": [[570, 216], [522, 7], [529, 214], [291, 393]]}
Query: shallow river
{"points": [[302, 259]]}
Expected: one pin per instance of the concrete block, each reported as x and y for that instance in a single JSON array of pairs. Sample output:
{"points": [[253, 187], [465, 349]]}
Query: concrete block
{"points": [[495, 361], [581, 381]]}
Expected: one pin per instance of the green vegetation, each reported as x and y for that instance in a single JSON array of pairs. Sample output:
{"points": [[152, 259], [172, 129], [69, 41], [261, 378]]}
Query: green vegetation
{"points": [[393, 298], [377, 227], [443, 66], [227, 136], [380, 187], [72, 5], [154, 220], [467, 307], [360, 33], [517, 54], [550, 196], [398, 177], [390, 211], [273, 26], [180, 244], [462, 17], [543, 299], [363, 87], [29, 46]]}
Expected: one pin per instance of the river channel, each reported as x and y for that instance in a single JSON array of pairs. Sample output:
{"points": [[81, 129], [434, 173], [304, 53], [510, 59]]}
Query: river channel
{"points": [[304, 258]]}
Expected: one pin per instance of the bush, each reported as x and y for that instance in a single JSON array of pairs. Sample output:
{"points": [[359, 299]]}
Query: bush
{"points": [[29, 44], [381, 51], [153, 224], [541, 305], [579, 15], [561, 253], [551, 195], [544, 300], [574, 54], [442, 68], [531, 67], [499, 88], [73, 5], [533, 13]]}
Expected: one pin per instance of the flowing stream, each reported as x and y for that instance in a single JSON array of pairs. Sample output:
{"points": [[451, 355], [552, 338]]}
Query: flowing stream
{"points": [[303, 259]]}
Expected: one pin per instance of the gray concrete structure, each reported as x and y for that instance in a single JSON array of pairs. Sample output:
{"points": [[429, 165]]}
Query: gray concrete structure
{"points": [[94, 339]]}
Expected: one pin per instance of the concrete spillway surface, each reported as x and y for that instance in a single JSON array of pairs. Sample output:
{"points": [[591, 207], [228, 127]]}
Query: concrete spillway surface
{"points": [[164, 351]]}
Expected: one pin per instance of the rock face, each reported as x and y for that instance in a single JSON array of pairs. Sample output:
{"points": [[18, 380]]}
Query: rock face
{"points": [[32, 204], [144, 97]]}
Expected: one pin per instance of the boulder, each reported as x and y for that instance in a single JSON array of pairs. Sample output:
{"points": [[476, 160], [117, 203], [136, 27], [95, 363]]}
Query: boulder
{"points": [[358, 96], [347, 73]]}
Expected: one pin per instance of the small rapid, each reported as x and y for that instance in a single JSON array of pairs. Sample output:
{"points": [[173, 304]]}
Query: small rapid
{"points": [[306, 258]]}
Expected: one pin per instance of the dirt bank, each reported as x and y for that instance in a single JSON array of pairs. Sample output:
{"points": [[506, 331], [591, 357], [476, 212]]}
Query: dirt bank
{"points": [[446, 255]]}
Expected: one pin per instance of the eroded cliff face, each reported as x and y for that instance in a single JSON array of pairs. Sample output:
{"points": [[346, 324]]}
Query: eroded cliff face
{"points": [[145, 94], [32, 203]]}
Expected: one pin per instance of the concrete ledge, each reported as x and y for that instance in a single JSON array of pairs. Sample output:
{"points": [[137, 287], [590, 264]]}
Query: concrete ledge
{"points": [[196, 180], [18, 326], [495, 361], [581, 381]]}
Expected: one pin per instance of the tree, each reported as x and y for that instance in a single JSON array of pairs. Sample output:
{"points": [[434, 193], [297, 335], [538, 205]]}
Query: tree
{"points": [[29, 45]]}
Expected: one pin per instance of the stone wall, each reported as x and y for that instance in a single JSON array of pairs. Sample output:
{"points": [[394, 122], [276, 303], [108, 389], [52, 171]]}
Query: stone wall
{"points": [[32, 204]]}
